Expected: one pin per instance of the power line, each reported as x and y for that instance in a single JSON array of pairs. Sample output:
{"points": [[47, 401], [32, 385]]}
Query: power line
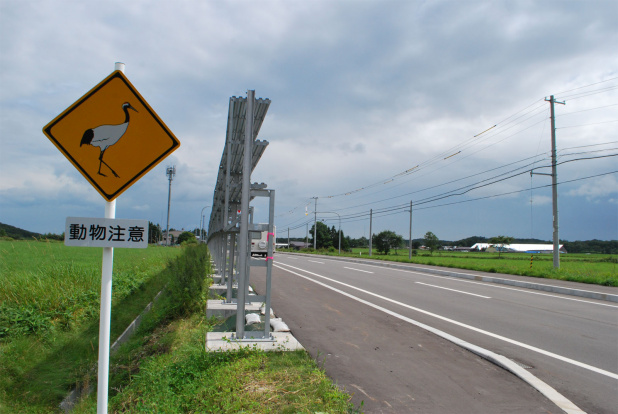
{"points": [[452, 154], [583, 125], [587, 86], [402, 208], [459, 191]]}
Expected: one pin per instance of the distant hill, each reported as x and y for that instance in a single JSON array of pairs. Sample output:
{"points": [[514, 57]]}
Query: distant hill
{"points": [[6, 230], [16, 233]]}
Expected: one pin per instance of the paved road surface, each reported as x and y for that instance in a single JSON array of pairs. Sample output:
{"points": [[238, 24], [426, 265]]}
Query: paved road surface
{"points": [[395, 367]]}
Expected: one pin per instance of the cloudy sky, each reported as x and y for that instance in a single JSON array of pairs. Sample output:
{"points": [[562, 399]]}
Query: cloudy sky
{"points": [[375, 104]]}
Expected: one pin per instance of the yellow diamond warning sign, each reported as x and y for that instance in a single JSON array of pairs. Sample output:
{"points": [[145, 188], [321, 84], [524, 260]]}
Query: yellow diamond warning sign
{"points": [[112, 136]]}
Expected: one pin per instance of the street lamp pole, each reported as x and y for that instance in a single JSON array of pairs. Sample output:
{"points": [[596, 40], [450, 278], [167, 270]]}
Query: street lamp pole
{"points": [[170, 172]]}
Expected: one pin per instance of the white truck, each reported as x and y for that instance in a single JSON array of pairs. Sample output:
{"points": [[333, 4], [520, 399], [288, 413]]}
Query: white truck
{"points": [[260, 240]]}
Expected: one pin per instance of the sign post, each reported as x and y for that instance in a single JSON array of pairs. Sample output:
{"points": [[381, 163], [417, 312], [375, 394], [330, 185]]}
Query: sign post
{"points": [[105, 314], [84, 133], [105, 317]]}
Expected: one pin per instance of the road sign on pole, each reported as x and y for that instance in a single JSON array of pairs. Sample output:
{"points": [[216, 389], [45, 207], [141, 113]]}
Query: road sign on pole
{"points": [[112, 136]]}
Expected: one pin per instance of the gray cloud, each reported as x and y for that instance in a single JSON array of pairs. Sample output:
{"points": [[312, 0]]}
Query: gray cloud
{"points": [[360, 91]]}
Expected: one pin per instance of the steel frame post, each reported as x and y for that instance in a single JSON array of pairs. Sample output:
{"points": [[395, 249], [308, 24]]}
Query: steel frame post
{"points": [[243, 253], [230, 280], [269, 260]]}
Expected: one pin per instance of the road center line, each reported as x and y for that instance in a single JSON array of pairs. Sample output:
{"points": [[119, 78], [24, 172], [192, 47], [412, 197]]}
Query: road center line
{"points": [[454, 290], [315, 261], [358, 270], [491, 334]]}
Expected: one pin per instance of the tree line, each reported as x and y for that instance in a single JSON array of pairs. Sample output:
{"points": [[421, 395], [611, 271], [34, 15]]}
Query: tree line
{"points": [[328, 238], [387, 240]]}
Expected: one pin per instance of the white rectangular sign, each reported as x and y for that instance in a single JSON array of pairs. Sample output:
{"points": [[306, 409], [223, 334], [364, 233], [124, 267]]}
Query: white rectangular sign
{"points": [[102, 232]]}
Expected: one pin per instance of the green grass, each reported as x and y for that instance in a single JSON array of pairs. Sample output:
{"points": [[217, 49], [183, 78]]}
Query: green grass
{"points": [[597, 269], [49, 308], [49, 324], [48, 286], [168, 371]]}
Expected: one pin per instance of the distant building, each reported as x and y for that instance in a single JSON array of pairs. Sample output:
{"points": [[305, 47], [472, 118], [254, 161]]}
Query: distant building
{"points": [[173, 236], [298, 245]]}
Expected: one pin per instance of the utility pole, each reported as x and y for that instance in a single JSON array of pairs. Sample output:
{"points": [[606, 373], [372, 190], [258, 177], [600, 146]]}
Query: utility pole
{"points": [[410, 246], [370, 232], [170, 172], [315, 223], [554, 181]]}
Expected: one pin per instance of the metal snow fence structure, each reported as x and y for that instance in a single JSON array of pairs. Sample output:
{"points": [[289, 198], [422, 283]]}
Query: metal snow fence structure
{"points": [[231, 218]]}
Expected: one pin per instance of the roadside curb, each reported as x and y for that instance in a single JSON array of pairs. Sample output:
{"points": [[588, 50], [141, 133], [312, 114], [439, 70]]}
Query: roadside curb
{"points": [[481, 278], [500, 360]]}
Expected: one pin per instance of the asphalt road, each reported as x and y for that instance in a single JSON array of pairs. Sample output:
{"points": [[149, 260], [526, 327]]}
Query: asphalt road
{"points": [[340, 312]]}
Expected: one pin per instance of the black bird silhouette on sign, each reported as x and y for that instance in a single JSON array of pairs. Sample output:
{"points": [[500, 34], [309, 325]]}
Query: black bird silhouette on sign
{"points": [[105, 136]]}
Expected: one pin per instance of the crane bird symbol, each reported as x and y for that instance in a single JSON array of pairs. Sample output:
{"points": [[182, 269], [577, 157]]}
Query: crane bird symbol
{"points": [[105, 136]]}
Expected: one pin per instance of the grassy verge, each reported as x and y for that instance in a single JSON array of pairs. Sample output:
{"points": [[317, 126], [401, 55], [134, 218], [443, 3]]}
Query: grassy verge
{"points": [[168, 371], [164, 367], [584, 268]]}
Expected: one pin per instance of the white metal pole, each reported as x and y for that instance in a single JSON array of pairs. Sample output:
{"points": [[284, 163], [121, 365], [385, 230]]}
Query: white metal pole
{"points": [[105, 314], [105, 317]]}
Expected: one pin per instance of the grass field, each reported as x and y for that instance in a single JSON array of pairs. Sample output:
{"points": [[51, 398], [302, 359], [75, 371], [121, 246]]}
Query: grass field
{"points": [[46, 285], [49, 308]]}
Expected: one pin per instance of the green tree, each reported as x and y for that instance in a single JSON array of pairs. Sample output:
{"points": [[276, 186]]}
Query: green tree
{"points": [[154, 233], [324, 238], [334, 235], [360, 242], [387, 240], [432, 241], [500, 242], [186, 236]]}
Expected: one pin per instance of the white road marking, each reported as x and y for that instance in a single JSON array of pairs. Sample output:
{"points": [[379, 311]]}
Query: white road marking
{"points": [[491, 334], [358, 270], [491, 285], [315, 261], [454, 290]]}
